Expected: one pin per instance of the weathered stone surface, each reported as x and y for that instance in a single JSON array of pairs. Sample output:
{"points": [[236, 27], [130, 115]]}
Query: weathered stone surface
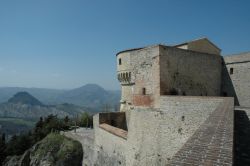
{"points": [[212, 143], [180, 130], [189, 73], [155, 135], [114, 130], [236, 78], [163, 70]]}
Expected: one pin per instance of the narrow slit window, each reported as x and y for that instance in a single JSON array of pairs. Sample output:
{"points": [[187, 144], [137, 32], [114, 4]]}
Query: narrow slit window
{"points": [[120, 61], [143, 91], [231, 70]]}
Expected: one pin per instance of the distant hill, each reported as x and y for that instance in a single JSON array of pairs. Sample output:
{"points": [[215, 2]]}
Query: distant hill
{"points": [[90, 95], [24, 105], [46, 96], [24, 98]]}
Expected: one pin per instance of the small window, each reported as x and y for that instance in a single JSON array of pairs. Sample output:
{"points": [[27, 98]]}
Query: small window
{"points": [[231, 70], [120, 61], [143, 91]]}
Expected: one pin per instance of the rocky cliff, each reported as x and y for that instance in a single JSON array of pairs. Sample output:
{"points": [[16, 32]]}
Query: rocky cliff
{"points": [[53, 150]]}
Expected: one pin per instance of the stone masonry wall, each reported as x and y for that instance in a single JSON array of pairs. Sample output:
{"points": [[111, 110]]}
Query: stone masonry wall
{"points": [[143, 64], [189, 73], [155, 135], [212, 143], [109, 149], [236, 78]]}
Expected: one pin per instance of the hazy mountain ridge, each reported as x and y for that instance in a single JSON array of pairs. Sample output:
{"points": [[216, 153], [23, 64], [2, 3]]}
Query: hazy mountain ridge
{"points": [[33, 103], [24, 105], [89, 95], [24, 98], [46, 96], [22, 110]]}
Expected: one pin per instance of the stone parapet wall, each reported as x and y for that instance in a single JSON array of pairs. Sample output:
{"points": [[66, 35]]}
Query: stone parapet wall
{"points": [[160, 136], [109, 149], [116, 119], [155, 135]]}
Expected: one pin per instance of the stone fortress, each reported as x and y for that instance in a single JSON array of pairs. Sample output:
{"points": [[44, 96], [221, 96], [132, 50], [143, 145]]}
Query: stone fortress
{"points": [[179, 106]]}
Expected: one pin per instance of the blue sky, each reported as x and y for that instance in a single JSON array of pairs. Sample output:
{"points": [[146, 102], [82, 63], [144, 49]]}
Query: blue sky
{"points": [[68, 43]]}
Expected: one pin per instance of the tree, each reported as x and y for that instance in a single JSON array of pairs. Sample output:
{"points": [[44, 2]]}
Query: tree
{"points": [[2, 148], [84, 120], [19, 144], [3, 138], [66, 119]]}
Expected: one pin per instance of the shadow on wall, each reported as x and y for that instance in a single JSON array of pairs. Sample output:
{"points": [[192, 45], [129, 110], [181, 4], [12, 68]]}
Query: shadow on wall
{"points": [[115, 119], [242, 139], [227, 85]]}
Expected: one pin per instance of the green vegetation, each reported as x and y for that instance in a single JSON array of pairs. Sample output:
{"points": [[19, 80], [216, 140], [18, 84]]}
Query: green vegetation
{"points": [[2, 148], [18, 121], [62, 150], [51, 124], [12, 126]]}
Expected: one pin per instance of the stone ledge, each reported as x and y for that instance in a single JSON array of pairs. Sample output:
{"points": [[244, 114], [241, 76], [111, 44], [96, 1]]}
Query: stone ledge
{"points": [[114, 130]]}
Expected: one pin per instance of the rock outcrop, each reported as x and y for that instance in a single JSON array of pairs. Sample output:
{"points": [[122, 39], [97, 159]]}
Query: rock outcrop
{"points": [[53, 150]]}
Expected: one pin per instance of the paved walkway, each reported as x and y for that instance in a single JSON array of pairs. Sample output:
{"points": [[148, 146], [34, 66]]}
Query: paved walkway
{"points": [[79, 134]]}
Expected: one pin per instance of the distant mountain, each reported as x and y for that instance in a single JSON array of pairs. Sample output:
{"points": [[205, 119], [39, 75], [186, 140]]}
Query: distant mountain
{"points": [[89, 95], [24, 105], [24, 98], [46, 96]]}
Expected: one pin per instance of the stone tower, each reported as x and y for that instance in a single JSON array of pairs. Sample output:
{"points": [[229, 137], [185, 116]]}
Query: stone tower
{"points": [[186, 69]]}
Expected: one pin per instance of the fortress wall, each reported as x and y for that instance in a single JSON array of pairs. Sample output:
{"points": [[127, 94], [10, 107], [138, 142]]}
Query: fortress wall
{"points": [[184, 115], [213, 142], [155, 135], [124, 67], [189, 73], [109, 149], [237, 83], [143, 67], [145, 64]]}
